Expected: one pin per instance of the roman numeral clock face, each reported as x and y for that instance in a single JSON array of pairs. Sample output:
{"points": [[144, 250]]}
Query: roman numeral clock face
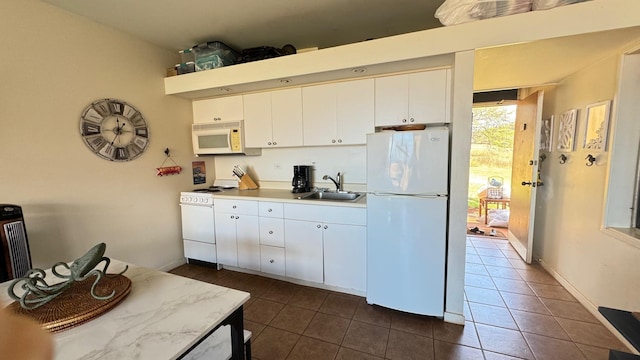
{"points": [[114, 130]]}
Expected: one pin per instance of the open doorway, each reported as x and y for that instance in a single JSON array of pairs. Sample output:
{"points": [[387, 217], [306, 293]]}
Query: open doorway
{"points": [[490, 168]]}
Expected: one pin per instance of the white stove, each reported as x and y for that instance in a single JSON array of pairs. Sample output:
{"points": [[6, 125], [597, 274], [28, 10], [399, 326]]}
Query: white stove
{"points": [[198, 227]]}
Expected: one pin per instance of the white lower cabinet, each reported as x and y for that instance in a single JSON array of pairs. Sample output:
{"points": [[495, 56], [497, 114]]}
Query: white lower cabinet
{"points": [[345, 256], [321, 244], [303, 250], [237, 233], [248, 242], [272, 260], [227, 245], [326, 244]]}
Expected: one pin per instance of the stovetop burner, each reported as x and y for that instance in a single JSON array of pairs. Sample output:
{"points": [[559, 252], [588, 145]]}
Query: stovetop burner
{"points": [[212, 189]]}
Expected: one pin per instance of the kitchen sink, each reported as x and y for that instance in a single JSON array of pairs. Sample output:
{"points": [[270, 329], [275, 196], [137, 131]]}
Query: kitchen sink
{"points": [[333, 196]]}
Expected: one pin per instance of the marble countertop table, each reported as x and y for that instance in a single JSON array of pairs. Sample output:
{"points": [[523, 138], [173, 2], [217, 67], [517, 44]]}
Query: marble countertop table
{"points": [[163, 317]]}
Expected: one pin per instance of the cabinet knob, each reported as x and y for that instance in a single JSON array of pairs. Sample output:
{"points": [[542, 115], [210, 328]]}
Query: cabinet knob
{"points": [[272, 261], [269, 143], [339, 141], [411, 120], [237, 217], [231, 217], [404, 120], [319, 226], [326, 227], [234, 206], [333, 141], [275, 143], [270, 210], [270, 232]]}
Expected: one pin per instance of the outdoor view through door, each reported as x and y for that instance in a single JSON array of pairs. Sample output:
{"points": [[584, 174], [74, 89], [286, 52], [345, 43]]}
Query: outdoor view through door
{"points": [[490, 169]]}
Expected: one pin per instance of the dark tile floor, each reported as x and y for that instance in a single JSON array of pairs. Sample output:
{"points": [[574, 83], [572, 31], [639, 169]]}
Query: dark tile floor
{"points": [[513, 311]]}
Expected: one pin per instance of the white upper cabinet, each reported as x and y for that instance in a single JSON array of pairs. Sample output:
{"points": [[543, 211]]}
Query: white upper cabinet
{"points": [[416, 98], [228, 108], [273, 118], [338, 113]]}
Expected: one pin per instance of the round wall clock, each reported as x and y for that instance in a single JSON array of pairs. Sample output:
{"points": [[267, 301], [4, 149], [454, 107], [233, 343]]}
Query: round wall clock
{"points": [[114, 130]]}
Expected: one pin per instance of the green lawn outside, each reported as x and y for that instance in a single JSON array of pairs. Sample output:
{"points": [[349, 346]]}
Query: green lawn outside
{"points": [[491, 151]]}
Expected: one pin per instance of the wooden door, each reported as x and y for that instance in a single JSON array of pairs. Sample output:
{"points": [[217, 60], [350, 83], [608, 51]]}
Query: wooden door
{"points": [[524, 174]]}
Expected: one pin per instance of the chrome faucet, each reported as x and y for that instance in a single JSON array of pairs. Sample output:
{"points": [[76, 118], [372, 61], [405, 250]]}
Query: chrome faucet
{"points": [[337, 182]]}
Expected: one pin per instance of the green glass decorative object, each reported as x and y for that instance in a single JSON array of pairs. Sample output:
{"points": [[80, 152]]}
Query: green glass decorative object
{"points": [[38, 292]]}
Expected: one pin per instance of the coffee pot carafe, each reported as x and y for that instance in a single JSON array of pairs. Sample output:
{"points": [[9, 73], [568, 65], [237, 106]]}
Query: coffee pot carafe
{"points": [[301, 181]]}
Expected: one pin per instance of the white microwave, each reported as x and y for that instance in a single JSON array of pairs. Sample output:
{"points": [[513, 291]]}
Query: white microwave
{"points": [[220, 138]]}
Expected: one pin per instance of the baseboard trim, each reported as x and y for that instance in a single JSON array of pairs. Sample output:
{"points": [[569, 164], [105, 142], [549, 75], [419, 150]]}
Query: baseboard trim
{"points": [[454, 318], [588, 305], [172, 265]]}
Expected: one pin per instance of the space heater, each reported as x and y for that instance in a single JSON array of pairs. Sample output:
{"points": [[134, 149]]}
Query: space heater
{"points": [[15, 258]]}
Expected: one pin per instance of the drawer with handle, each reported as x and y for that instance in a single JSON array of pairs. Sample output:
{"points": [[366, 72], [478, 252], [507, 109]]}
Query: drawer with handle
{"points": [[272, 260]]}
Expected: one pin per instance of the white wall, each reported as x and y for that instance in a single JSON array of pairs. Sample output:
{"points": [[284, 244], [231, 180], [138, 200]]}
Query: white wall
{"points": [[274, 168], [570, 206], [54, 65]]}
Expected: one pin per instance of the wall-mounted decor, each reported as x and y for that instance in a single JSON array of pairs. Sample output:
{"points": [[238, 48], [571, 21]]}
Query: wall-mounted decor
{"points": [[199, 172], [595, 136], [567, 130], [546, 134], [114, 130]]}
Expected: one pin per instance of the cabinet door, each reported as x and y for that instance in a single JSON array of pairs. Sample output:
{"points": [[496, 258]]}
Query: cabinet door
{"points": [[286, 115], [303, 250], [391, 100], [272, 260], [248, 241], [257, 120], [226, 244], [354, 111], [428, 97], [228, 108], [319, 115], [345, 256]]}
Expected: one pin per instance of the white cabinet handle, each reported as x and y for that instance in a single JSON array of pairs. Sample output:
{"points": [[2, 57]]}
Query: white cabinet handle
{"points": [[275, 143], [412, 120], [319, 226], [333, 141], [326, 227], [339, 141], [404, 120], [269, 143], [231, 217], [272, 261], [270, 210], [237, 217], [270, 232], [234, 206]]}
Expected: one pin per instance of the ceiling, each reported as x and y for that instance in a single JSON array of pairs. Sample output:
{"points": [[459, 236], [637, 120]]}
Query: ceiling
{"points": [[242, 24], [307, 24]]}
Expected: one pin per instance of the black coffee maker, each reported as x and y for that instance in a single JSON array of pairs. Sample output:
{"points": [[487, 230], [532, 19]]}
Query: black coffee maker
{"points": [[301, 179]]}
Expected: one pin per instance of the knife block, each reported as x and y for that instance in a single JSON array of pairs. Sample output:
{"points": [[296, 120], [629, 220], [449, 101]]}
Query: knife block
{"points": [[246, 183]]}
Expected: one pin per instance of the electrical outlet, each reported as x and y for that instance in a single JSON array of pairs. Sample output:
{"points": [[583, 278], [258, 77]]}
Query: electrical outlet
{"points": [[277, 166]]}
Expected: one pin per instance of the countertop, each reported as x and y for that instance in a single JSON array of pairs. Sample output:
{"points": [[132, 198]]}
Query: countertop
{"points": [[162, 317], [282, 195]]}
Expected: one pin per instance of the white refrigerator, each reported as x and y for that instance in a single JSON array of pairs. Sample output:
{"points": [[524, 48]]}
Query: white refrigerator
{"points": [[407, 202]]}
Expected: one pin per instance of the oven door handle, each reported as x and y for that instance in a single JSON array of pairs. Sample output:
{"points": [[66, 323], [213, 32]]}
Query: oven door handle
{"points": [[199, 205]]}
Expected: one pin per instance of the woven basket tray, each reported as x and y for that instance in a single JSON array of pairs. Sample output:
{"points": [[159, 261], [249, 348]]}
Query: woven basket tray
{"points": [[76, 305]]}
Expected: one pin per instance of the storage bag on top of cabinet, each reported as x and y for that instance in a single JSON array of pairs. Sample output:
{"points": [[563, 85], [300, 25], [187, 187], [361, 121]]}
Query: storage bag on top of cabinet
{"points": [[549, 4], [214, 54], [453, 12]]}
